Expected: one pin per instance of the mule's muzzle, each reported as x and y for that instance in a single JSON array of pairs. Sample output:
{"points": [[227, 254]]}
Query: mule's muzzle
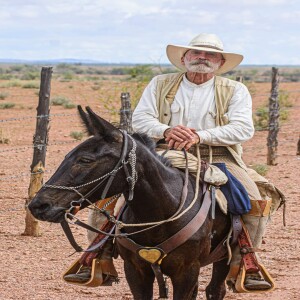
{"points": [[43, 210]]}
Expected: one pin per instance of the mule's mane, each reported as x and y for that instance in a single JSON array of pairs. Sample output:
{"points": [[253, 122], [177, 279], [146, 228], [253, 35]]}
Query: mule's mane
{"points": [[150, 144]]}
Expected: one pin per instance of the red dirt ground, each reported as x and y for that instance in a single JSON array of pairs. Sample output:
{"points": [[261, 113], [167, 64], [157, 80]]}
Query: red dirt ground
{"points": [[31, 267]]}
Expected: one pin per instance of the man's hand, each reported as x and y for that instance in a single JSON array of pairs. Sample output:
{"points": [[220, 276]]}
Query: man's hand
{"points": [[180, 137]]}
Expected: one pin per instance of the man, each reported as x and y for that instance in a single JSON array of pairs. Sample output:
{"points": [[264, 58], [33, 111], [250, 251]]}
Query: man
{"points": [[197, 107]]}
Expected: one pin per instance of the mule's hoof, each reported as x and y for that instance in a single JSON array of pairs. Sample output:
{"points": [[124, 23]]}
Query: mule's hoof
{"points": [[108, 280]]}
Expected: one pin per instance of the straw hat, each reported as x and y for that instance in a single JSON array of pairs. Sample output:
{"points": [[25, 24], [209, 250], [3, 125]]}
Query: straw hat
{"points": [[204, 42]]}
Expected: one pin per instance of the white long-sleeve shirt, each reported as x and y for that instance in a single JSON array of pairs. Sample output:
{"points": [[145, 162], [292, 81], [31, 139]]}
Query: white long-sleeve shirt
{"points": [[194, 107]]}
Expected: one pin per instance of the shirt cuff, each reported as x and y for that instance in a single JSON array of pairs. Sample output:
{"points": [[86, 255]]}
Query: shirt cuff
{"points": [[158, 132], [205, 137]]}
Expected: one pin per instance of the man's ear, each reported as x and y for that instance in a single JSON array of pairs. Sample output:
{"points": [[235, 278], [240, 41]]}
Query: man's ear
{"points": [[182, 60], [222, 62]]}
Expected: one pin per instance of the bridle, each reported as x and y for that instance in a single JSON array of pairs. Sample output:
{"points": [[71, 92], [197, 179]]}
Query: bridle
{"points": [[122, 163], [131, 180], [77, 204]]}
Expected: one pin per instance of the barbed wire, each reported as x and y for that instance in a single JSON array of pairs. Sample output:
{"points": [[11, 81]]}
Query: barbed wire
{"points": [[7, 178], [38, 146], [52, 115], [13, 209]]}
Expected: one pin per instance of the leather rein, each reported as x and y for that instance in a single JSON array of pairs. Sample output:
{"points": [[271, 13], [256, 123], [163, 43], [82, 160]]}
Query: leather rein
{"points": [[70, 217], [76, 205]]}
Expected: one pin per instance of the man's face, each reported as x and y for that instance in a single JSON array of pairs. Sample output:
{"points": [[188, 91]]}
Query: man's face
{"points": [[202, 61]]}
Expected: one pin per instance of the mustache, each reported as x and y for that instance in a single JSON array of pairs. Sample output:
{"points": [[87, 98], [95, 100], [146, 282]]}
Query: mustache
{"points": [[201, 61]]}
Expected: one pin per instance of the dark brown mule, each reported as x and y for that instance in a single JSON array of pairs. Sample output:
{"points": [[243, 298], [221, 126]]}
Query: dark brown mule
{"points": [[156, 197]]}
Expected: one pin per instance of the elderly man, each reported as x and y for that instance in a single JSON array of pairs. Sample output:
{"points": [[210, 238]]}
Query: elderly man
{"points": [[196, 106]]}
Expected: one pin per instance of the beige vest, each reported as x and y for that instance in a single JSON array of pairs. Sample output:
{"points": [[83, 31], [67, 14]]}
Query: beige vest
{"points": [[167, 86]]}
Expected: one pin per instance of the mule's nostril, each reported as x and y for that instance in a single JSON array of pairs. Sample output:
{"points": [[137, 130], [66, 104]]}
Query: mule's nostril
{"points": [[37, 207], [44, 207]]}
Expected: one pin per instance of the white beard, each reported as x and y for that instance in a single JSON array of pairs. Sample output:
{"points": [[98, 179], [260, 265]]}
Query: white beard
{"points": [[203, 67]]}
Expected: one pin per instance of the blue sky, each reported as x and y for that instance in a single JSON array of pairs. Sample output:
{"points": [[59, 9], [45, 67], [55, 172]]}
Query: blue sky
{"points": [[114, 31]]}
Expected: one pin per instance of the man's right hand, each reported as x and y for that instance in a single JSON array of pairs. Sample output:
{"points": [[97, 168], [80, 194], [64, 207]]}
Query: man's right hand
{"points": [[180, 137]]}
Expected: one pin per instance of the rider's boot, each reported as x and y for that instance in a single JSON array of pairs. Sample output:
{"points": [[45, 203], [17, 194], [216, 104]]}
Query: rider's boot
{"points": [[105, 255], [255, 221], [109, 273]]}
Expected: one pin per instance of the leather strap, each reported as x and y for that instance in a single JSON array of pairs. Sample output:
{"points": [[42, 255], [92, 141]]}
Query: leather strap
{"points": [[66, 228], [178, 238], [163, 290], [248, 256]]}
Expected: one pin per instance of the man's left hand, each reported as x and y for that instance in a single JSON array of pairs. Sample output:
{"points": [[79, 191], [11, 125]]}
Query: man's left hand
{"points": [[188, 137]]}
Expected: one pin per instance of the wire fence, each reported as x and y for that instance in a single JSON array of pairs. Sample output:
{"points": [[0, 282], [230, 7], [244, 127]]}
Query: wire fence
{"points": [[23, 121]]}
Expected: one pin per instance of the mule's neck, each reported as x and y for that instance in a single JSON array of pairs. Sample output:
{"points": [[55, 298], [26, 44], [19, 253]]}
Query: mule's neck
{"points": [[158, 189]]}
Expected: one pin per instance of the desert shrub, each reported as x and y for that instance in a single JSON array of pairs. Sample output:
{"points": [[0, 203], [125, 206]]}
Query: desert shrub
{"points": [[7, 105], [69, 105], [6, 76], [30, 76], [59, 100], [3, 95], [12, 83], [284, 100], [16, 68], [261, 169], [141, 72], [77, 135], [3, 139], [31, 85], [261, 117], [67, 76], [63, 101]]}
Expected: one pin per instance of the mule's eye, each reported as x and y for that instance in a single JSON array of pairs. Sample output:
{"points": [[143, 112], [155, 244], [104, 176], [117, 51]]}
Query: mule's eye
{"points": [[85, 160]]}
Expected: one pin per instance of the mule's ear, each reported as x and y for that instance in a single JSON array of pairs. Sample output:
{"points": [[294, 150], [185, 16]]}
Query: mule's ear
{"points": [[104, 128], [86, 120]]}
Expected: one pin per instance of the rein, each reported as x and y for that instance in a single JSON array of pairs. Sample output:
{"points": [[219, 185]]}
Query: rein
{"points": [[122, 163]]}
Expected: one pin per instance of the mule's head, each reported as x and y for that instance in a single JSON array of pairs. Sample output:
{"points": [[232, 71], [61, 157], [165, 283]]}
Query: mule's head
{"points": [[86, 163]]}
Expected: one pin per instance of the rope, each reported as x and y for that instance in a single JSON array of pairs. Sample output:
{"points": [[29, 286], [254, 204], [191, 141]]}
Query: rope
{"points": [[171, 219]]}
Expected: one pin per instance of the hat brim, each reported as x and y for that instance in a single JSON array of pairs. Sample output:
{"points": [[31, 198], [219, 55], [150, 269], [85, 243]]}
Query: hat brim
{"points": [[176, 52]]}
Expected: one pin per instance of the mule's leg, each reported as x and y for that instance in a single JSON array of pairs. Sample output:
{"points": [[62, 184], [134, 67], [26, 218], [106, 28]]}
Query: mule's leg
{"points": [[140, 281], [216, 289], [185, 283]]}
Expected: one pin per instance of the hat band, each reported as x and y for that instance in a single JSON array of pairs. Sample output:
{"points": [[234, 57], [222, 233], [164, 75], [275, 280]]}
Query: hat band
{"points": [[207, 46]]}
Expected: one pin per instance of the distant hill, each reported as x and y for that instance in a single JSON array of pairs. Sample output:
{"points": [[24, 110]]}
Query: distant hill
{"points": [[76, 61]]}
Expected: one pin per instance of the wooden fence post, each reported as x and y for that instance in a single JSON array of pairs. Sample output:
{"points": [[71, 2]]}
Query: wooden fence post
{"points": [[272, 142], [40, 141], [239, 78], [126, 113]]}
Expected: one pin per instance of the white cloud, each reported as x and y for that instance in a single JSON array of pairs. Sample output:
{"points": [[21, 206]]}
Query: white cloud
{"points": [[139, 30]]}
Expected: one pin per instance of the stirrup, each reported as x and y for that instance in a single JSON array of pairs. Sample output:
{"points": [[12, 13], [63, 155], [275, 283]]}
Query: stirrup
{"points": [[99, 267], [240, 287]]}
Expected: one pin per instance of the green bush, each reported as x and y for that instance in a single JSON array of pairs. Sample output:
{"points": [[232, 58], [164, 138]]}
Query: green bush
{"points": [[6, 76], [31, 85], [69, 105], [12, 83], [284, 100], [3, 95], [7, 105], [59, 100], [77, 135], [30, 76], [63, 101], [261, 169]]}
